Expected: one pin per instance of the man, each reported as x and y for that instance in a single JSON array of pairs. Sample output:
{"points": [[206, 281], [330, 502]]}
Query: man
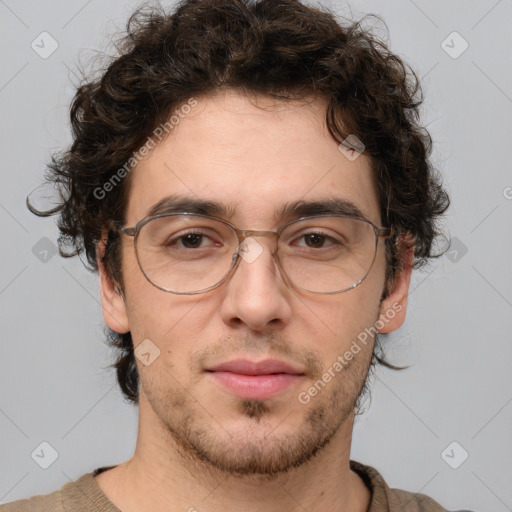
{"points": [[252, 184]]}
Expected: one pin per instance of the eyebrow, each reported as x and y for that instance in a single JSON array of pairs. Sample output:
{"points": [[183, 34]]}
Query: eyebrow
{"points": [[332, 206], [177, 203], [299, 208]]}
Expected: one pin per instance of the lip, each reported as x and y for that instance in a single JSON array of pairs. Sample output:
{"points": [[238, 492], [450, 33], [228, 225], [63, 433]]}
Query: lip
{"points": [[247, 367], [255, 380]]}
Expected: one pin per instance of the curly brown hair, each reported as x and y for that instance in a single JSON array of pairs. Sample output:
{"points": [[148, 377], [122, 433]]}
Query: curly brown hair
{"points": [[282, 49]]}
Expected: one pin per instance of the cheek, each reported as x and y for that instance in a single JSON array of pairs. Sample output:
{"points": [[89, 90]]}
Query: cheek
{"points": [[354, 312], [336, 322], [166, 318], [176, 324], [152, 312]]}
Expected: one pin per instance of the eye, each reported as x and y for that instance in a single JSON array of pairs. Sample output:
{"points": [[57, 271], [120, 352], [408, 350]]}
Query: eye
{"points": [[191, 240], [316, 240]]}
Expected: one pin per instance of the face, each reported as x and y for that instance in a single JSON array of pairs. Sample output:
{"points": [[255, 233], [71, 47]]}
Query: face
{"points": [[197, 394]]}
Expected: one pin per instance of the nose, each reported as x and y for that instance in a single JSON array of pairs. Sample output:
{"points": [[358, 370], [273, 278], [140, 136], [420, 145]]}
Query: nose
{"points": [[256, 294]]}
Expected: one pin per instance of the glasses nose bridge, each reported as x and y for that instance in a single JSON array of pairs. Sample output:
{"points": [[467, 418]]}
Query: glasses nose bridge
{"points": [[243, 234]]}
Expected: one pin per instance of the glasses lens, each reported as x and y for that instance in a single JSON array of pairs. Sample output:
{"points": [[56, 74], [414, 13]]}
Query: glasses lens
{"points": [[193, 253], [327, 254], [185, 253]]}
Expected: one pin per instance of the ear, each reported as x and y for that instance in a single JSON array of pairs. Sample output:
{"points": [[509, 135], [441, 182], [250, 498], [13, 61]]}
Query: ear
{"points": [[112, 301], [393, 307]]}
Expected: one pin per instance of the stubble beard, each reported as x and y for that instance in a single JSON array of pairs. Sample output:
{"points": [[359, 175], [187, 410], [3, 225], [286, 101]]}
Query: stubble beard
{"points": [[261, 448]]}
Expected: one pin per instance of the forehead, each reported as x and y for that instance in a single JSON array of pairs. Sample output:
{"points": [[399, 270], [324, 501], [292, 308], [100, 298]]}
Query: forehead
{"points": [[254, 155]]}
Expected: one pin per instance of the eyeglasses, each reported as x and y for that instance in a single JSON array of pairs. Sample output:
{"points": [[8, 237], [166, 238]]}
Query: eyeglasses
{"points": [[189, 253]]}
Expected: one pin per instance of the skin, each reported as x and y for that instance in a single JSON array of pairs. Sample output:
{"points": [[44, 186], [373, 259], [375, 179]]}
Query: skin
{"points": [[198, 445]]}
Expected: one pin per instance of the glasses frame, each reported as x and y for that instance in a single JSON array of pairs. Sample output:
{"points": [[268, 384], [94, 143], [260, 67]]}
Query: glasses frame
{"points": [[242, 234]]}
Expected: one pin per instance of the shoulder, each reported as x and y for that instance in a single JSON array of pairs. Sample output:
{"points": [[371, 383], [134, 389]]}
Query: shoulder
{"points": [[416, 502], [82, 495], [385, 499], [39, 503]]}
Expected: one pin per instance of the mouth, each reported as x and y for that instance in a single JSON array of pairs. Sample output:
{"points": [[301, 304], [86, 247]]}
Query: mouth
{"points": [[251, 380]]}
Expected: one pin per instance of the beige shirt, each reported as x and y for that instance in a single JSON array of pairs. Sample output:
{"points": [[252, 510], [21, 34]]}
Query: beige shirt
{"points": [[84, 495]]}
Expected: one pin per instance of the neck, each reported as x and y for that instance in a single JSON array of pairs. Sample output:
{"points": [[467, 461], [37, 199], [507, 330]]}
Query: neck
{"points": [[162, 476]]}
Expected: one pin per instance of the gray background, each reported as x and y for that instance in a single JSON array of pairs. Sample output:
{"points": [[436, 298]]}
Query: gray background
{"points": [[55, 383]]}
